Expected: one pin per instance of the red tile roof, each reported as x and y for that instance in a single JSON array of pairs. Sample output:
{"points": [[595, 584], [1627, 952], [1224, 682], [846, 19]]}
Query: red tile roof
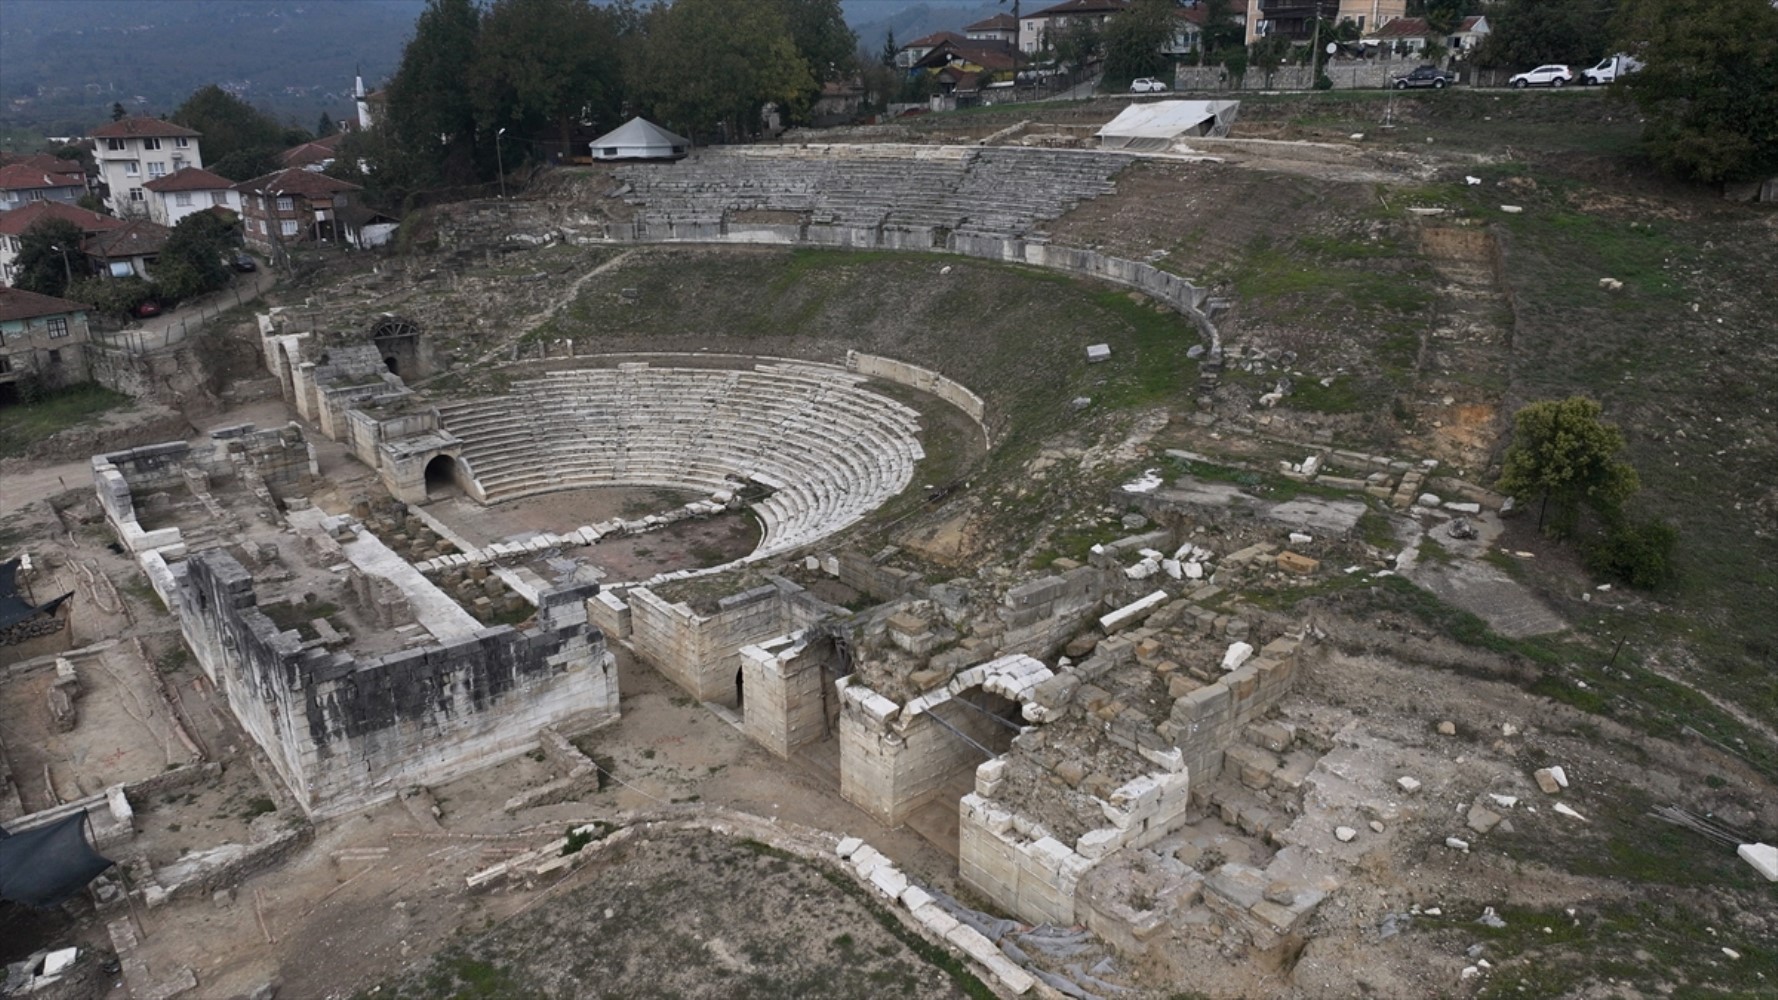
{"points": [[16, 303], [987, 55], [190, 179], [1415, 27], [1079, 8], [296, 181], [24, 176], [935, 39], [319, 151], [15, 222], [144, 127], [133, 238], [999, 22]]}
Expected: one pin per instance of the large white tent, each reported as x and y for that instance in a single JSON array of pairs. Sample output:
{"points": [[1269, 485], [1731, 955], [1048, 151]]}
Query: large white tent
{"points": [[639, 139], [1155, 125]]}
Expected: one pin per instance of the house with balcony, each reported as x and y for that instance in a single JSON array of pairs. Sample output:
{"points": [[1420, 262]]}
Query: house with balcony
{"points": [[293, 206], [133, 151], [190, 190], [40, 335], [1043, 26], [1001, 29], [14, 225], [40, 177]]}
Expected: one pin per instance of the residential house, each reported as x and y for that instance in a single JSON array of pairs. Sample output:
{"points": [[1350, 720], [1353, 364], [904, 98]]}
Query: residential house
{"points": [[1035, 29], [41, 335], [133, 151], [1409, 35], [916, 50], [40, 177], [1292, 19], [14, 225], [1190, 19], [1369, 15], [1001, 28], [294, 205], [130, 249], [839, 102], [317, 155], [193, 189]]}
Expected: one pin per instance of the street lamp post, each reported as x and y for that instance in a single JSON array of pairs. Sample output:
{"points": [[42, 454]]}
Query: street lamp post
{"points": [[500, 163], [67, 272]]}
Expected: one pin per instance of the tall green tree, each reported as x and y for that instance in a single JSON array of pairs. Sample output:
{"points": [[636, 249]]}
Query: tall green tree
{"points": [[826, 44], [190, 263], [887, 57], [117, 112], [1443, 17], [1077, 43], [707, 64], [1134, 41], [49, 254], [1221, 33], [231, 128], [546, 64], [1709, 85], [1564, 457], [1526, 33], [431, 119], [325, 126]]}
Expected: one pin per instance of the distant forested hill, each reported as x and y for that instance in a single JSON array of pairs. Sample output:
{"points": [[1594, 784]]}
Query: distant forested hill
{"points": [[64, 62]]}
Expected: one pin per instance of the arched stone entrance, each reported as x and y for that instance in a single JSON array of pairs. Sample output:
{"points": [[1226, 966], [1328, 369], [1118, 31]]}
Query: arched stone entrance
{"points": [[441, 477]]}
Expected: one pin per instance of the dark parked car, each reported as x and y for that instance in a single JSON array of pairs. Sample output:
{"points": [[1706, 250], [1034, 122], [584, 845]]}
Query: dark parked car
{"points": [[1425, 76], [243, 262]]}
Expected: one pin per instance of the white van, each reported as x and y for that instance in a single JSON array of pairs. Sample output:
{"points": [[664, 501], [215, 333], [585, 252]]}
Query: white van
{"points": [[1610, 69]]}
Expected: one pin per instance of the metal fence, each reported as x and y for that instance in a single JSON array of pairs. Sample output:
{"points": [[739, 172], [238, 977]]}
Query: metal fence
{"points": [[164, 332]]}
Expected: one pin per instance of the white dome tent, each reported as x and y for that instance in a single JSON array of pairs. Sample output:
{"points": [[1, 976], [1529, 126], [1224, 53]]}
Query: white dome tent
{"points": [[639, 139]]}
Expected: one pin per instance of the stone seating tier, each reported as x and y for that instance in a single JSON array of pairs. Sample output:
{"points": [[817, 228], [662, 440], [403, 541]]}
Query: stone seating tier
{"points": [[834, 450], [999, 190]]}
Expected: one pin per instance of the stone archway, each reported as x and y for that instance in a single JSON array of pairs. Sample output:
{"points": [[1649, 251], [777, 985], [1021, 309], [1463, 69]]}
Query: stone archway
{"points": [[398, 342], [442, 477]]}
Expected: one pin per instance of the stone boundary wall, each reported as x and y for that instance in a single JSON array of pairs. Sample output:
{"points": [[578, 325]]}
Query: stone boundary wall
{"points": [[1367, 75], [926, 380], [701, 653], [344, 733], [1041, 615]]}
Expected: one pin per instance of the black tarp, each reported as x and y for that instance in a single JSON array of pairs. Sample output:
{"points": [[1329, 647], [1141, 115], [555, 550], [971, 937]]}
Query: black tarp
{"points": [[14, 608], [43, 866]]}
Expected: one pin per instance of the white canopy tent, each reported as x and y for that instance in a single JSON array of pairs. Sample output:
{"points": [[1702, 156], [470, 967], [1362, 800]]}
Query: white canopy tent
{"points": [[639, 139], [1154, 126]]}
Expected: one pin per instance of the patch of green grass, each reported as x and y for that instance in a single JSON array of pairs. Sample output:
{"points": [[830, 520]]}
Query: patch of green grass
{"points": [[1344, 394], [25, 424]]}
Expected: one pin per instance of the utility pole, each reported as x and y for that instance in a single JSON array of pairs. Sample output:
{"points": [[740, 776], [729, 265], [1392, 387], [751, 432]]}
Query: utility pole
{"points": [[500, 163], [67, 272]]}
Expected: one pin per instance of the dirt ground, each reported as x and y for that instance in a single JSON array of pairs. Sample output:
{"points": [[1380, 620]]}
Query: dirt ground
{"points": [[690, 544]]}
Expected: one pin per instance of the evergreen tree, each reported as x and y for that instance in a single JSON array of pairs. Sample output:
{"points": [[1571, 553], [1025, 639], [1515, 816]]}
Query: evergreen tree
{"points": [[117, 112], [1134, 40], [546, 64], [889, 49], [324, 127], [239, 140], [709, 63]]}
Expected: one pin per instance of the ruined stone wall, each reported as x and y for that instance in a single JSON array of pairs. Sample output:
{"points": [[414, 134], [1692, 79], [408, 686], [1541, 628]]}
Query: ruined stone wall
{"points": [[788, 699], [1043, 614], [701, 653], [344, 733], [867, 576], [1205, 722], [926, 380]]}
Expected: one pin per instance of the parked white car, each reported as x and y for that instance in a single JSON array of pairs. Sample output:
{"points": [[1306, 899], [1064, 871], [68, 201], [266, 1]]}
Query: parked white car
{"points": [[1147, 85], [1552, 75]]}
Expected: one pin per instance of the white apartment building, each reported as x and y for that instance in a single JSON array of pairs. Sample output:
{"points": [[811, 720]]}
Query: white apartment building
{"points": [[134, 151]]}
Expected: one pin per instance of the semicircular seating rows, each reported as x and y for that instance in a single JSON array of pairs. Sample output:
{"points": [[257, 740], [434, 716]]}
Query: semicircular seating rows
{"points": [[831, 450], [996, 190]]}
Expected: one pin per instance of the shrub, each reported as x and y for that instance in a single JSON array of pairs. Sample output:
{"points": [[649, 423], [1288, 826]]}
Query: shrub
{"points": [[1637, 553]]}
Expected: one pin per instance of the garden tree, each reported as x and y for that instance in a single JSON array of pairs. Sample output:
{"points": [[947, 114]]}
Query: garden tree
{"points": [[1564, 457], [822, 38], [246, 164], [1222, 35], [117, 112], [1527, 33], [324, 127], [1077, 44], [1707, 85], [191, 262], [887, 57], [49, 254], [111, 295], [706, 64], [1443, 17], [1134, 39], [544, 65], [237, 136], [430, 121]]}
